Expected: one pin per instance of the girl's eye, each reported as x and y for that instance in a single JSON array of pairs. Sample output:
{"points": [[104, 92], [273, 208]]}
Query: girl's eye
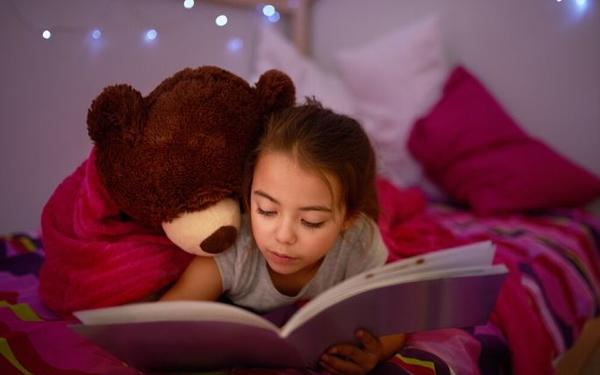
{"points": [[260, 211], [312, 225]]}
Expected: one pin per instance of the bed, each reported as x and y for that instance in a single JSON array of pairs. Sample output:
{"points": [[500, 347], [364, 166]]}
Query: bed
{"points": [[455, 168], [551, 292]]}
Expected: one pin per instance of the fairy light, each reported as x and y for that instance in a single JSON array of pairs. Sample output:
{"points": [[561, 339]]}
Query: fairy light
{"points": [[274, 17], [268, 10], [581, 4], [151, 35], [221, 20], [235, 44], [96, 34]]}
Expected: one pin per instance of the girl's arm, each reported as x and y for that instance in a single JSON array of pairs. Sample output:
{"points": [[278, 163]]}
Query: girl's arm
{"points": [[359, 360], [200, 281]]}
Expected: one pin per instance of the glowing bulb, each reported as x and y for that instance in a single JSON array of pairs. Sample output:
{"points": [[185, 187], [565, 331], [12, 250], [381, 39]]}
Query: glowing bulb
{"points": [[235, 44], [274, 17], [188, 4], [268, 10], [581, 6], [151, 35], [46, 34], [96, 34], [221, 20]]}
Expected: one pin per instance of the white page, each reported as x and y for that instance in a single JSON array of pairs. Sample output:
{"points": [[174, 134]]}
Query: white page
{"points": [[314, 307], [470, 255], [173, 311]]}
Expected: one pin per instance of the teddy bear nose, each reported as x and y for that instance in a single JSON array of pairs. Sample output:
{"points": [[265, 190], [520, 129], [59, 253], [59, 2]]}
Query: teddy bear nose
{"points": [[220, 240]]}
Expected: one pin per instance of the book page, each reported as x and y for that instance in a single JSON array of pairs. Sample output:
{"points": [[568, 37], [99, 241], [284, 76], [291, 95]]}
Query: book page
{"points": [[173, 311], [309, 311], [448, 302], [471, 255], [175, 347]]}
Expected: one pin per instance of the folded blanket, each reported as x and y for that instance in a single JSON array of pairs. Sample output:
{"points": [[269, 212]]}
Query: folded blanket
{"points": [[96, 258]]}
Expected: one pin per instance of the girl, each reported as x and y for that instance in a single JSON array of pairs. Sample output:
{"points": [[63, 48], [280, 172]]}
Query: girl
{"points": [[311, 202]]}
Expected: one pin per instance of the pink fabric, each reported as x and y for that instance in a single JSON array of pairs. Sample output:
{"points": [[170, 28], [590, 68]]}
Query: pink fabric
{"points": [[472, 148], [405, 229], [93, 258], [51, 348], [421, 230]]}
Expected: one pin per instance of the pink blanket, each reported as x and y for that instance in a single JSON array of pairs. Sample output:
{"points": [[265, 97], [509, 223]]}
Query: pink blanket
{"points": [[552, 289], [539, 256], [94, 258]]}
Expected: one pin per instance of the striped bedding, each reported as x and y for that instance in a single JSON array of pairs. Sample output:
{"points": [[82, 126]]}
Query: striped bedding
{"points": [[551, 292]]}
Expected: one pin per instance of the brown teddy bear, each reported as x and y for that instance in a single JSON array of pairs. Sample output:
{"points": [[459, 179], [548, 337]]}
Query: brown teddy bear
{"points": [[167, 163], [175, 157]]}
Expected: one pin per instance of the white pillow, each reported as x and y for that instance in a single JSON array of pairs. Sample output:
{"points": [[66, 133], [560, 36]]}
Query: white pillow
{"points": [[394, 80], [276, 52]]}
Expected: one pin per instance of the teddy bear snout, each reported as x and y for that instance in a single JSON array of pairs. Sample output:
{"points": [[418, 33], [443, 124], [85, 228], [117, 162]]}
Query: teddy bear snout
{"points": [[219, 241]]}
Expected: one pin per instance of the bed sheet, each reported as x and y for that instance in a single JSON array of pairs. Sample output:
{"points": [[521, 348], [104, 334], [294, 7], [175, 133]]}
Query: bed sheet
{"points": [[551, 292]]}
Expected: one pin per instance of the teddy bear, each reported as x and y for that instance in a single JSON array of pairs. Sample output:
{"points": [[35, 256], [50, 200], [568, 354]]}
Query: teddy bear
{"points": [[161, 184]]}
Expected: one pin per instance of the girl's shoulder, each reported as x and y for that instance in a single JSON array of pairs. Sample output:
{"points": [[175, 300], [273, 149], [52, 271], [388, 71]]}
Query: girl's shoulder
{"points": [[363, 228]]}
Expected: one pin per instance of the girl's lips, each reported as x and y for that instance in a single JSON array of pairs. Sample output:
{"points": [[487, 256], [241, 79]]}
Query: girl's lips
{"points": [[280, 258]]}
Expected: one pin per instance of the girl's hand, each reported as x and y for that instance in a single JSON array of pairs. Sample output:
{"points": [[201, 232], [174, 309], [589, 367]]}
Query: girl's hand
{"points": [[354, 360]]}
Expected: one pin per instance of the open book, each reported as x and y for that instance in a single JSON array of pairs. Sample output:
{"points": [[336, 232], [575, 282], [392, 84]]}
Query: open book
{"points": [[455, 287]]}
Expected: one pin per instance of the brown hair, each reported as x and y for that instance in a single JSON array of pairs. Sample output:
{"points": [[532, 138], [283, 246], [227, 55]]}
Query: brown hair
{"points": [[328, 143]]}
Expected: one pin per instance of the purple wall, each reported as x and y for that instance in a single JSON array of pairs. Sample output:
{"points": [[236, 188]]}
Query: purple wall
{"points": [[48, 85], [540, 58]]}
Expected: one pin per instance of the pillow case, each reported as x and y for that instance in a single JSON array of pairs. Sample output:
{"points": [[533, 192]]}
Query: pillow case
{"points": [[275, 52], [474, 150], [394, 80]]}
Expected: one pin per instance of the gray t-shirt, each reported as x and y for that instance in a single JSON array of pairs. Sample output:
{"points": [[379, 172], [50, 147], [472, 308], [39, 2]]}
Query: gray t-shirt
{"points": [[246, 279]]}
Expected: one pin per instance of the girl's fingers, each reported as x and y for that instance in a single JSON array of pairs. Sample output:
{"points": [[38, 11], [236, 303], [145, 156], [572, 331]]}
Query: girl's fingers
{"points": [[326, 366], [369, 342], [349, 353], [350, 359], [338, 365]]}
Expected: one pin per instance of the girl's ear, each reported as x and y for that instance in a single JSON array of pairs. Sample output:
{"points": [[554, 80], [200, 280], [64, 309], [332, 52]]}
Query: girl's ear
{"points": [[349, 221]]}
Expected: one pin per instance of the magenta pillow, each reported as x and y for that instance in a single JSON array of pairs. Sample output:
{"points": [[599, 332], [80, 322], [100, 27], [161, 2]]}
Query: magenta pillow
{"points": [[472, 148]]}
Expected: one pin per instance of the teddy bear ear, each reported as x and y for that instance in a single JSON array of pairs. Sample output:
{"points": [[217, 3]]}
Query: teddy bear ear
{"points": [[275, 90], [117, 112]]}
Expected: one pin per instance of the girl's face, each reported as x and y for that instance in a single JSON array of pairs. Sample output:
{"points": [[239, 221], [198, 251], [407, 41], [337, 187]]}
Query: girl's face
{"points": [[295, 219]]}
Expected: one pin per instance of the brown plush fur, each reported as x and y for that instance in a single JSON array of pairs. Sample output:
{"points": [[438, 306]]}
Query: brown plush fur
{"points": [[182, 147]]}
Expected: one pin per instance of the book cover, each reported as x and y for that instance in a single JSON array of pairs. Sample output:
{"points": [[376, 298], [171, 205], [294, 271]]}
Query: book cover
{"points": [[456, 287]]}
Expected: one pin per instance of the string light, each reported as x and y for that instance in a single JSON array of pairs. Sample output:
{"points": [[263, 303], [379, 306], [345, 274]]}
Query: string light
{"points": [[274, 17], [235, 44], [270, 13], [96, 34], [151, 35], [221, 20], [582, 4], [268, 10]]}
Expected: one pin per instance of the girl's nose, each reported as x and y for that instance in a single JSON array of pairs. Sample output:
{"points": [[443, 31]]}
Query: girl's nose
{"points": [[285, 233]]}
